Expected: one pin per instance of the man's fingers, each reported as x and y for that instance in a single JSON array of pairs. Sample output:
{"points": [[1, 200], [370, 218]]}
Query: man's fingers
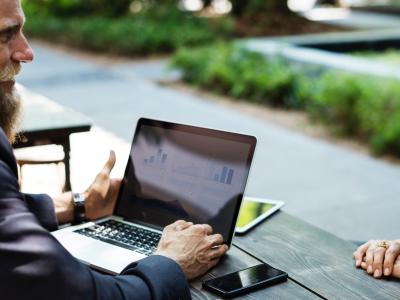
{"points": [[390, 256], [360, 252], [116, 181], [178, 225], [116, 184], [379, 256], [218, 251], [104, 174], [110, 163], [203, 228], [183, 226], [213, 263], [215, 239], [208, 229]]}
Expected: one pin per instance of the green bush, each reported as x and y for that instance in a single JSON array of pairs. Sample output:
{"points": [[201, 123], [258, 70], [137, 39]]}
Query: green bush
{"points": [[358, 105], [353, 104], [333, 97], [233, 70], [129, 35], [379, 113], [160, 28], [84, 8]]}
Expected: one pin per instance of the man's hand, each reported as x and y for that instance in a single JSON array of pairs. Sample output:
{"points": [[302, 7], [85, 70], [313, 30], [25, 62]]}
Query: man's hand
{"points": [[193, 247], [378, 260], [102, 193], [100, 196]]}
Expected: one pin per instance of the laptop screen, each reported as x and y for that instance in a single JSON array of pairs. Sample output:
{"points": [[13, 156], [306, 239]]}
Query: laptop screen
{"points": [[183, 172]]}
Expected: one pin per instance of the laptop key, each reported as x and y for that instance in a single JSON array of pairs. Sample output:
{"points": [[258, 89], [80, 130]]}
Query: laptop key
{"points": [[124, 235]]}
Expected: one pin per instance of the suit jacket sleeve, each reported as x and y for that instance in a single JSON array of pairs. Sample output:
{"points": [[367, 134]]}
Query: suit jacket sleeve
{"points": [[43, 208], [33, 265]]}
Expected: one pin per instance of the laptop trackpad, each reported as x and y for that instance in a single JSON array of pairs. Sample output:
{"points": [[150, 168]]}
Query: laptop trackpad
{"points": [[98, 254]]}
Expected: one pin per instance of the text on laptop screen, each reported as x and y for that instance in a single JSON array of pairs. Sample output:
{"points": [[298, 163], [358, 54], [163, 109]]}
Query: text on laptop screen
{"points": [[175, 174]]}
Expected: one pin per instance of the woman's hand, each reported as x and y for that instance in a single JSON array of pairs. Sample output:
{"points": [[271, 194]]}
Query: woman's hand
{"points": [[379, 258]]}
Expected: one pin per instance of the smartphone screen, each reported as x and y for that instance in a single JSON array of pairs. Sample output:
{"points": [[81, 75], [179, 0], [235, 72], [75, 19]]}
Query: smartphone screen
{"points": [[245, 280]]}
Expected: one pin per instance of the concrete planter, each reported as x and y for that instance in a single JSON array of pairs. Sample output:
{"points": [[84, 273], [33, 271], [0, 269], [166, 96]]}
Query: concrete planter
{"points": [[322, 51]]}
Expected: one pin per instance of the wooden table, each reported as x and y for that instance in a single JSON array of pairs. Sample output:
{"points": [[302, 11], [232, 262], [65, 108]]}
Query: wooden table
{"points": [[319, 264], [46, 122]]}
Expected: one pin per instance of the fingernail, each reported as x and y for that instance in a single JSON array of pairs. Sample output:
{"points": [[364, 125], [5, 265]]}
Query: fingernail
{"points": [[387, 272], [369, 269], [358, 263], [377, 273]]}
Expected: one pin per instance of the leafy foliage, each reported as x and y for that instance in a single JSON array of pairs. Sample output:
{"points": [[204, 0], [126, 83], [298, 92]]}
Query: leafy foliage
{"points": [[118, 8], [353, 104], [233, 70], [257, 7], [153, 31], [78, 8], [333, 98]]}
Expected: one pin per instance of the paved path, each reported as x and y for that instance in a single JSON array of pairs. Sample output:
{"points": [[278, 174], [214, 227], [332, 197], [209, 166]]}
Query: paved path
{"points": [[349, 194], [354, 19]]}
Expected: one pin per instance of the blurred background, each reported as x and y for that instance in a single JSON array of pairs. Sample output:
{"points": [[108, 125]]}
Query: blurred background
{"points": [[315, 81]]}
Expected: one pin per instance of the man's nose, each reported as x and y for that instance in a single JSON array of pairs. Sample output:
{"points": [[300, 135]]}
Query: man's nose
{"points": [[23, 52]]}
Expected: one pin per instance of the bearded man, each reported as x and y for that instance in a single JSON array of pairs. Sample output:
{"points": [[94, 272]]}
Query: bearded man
{"points": [[33, 265]]}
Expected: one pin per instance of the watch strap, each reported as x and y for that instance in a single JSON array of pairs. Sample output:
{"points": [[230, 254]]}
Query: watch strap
{"points": [[79, 205]]}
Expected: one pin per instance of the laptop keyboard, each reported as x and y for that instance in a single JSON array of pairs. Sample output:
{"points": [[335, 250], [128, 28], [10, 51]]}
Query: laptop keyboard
{"points": [[124, 235]]}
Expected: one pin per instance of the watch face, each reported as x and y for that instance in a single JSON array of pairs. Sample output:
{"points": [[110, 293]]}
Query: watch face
{"points": [[78, 198]]}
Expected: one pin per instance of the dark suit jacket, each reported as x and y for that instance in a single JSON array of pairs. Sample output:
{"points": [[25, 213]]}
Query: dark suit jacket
{"points": [[33, 265]]}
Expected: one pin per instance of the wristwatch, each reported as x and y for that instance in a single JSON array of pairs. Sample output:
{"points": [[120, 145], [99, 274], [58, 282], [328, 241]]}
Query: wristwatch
{"points": [[79, 204]]}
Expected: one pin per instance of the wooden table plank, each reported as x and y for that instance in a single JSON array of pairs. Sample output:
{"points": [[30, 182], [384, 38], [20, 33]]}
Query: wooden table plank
{"points": [[237, 260], [41, 114], [46, 122], [315, 258]]}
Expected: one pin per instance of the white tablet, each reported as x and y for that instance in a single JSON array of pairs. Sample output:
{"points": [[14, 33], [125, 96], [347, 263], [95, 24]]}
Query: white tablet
{"points": [[255, 210]]}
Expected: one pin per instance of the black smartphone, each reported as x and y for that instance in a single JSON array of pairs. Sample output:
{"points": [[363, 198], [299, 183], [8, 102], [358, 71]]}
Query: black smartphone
{"points": [[244, 281]]}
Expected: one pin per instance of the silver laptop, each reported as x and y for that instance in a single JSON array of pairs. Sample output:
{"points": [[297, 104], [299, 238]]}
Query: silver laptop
{"points": [[174, 172]]}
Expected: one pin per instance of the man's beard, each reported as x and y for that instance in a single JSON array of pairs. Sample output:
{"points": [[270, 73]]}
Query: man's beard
{"points": [[10, 102], [10, 113], [10, 71]]}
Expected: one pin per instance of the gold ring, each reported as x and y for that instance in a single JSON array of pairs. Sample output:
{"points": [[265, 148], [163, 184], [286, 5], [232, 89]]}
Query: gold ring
{"points": [[383, 244]]}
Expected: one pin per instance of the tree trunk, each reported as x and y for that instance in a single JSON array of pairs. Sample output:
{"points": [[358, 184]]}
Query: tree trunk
{"points": [[242, 7], [270, 17], [239, 7], [207, 3], [277, 6]]}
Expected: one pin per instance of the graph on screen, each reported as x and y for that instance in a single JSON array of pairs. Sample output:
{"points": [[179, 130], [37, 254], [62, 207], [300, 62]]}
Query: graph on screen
{"points": [[157, 160], [223, 175]]}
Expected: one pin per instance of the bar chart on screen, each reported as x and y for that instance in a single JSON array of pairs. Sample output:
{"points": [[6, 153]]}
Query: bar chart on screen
{"points": [[222, 174], [157, 160]]}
